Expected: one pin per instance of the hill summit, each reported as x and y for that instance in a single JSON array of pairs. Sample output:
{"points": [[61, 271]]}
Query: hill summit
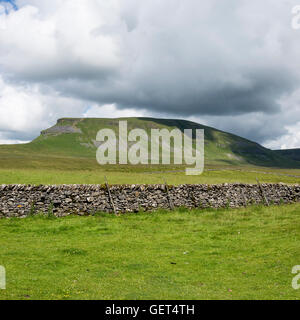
{"points": [[71, 143], [77, 136]]}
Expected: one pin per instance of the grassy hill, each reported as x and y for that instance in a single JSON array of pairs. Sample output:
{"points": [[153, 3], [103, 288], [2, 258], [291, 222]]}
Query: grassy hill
{"points": [[293, 154], [70, 144]]}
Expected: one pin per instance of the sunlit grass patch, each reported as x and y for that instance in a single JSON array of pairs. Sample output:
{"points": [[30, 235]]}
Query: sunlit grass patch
{"points": [[245, 253]]}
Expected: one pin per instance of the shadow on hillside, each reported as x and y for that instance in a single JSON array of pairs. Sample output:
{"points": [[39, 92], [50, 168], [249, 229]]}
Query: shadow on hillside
{"points": [[184, 124]]}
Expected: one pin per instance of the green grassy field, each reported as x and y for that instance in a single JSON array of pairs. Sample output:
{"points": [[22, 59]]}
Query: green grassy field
{"points": [[138, 176], [199, 254], [184, 254]]}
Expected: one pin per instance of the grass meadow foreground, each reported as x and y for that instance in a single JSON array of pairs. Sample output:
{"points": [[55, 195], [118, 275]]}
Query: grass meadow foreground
{"points": [[199, 254], [142, 175]]}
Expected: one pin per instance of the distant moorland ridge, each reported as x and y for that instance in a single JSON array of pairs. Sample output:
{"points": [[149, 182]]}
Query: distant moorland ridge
{"points": [[75, 138]]}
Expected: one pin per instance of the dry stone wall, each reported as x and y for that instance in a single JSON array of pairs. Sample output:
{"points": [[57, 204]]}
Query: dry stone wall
{"points": [[62, 200]]}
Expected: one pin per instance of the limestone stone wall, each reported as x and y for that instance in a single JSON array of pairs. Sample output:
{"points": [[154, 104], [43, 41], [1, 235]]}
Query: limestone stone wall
{"points": [[62, 200]]}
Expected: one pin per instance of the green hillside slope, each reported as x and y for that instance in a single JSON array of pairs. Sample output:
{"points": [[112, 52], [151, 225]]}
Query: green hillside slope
{"points": [[293, 154], [71, 143]]}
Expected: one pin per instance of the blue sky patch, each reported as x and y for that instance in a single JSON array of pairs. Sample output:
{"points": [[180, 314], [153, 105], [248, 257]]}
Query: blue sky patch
{"points": [[9, 4]]}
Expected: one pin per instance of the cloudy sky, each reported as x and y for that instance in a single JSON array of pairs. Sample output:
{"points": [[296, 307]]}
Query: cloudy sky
{"points": [[232, 64]]}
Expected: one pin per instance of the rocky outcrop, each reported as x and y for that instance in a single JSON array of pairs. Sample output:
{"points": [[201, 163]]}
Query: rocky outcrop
{"points": [[60, 129], [62, 200]]}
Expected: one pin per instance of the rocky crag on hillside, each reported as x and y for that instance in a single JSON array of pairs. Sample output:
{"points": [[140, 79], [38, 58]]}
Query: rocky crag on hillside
{"points": [[62, 200]]}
